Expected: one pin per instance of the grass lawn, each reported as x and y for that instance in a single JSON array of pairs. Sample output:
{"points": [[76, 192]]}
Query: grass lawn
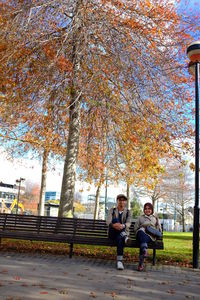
{"points": [[177, 249]]}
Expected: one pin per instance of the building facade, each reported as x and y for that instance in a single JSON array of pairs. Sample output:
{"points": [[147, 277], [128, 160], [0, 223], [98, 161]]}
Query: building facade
{"points": [[8, 195], [52, 195]]}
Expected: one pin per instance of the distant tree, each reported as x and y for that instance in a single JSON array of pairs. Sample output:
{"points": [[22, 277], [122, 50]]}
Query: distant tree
{"points": [[79, 207], [136, 205], [178, 186], [93, 161], [152, 188], [78, 197], [31, 197]]}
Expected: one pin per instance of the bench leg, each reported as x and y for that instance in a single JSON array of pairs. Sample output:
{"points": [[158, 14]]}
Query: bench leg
{"points": [[71, 250], [154, 256]]}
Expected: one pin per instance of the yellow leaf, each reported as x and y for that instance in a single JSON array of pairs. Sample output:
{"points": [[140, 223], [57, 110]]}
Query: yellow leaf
{"points": [[148, 3]]}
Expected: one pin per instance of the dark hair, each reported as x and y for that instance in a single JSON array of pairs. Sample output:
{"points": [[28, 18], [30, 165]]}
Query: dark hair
{"points": [[150, 205], [121, 196]]}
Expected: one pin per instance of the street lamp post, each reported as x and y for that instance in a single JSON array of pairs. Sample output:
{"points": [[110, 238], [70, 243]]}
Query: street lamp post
{"points": [[18, 195], [175, 215], [193, 53], [106, 195]]}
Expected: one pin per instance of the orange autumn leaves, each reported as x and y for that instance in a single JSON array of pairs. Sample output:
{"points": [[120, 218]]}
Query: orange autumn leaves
{"points": [[62, 63], [128, 149], [142, 144]]}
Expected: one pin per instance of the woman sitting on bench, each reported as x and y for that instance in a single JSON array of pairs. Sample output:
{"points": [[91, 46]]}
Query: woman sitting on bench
{"points": [[143, 235]]}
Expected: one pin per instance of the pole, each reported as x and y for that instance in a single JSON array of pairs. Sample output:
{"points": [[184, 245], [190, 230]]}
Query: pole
{"points": [[196, 206], [163, 218], [18, 196], [106, 196], [175, 215]]}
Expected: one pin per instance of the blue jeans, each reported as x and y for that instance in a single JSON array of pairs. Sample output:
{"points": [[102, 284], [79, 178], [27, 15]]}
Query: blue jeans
{"points": [[143, 239], [115, 235]]}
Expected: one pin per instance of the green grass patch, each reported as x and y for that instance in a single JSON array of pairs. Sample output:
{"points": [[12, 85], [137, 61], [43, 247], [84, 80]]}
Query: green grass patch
{"points": [[177, 249]]}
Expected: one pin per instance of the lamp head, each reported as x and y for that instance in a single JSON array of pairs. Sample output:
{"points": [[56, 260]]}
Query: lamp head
{"points": [[193, 51], [20, 180]]}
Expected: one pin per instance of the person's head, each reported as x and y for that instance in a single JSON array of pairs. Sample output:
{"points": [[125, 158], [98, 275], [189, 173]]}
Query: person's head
{"points": [[121, 201], [148, 209]]}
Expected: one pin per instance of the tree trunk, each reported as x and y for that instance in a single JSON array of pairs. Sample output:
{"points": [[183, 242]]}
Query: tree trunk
{"points": [[43, 183], [128, 196], [68, 181], [154, 202], [183, 216], [96, 209], [153, 199]]}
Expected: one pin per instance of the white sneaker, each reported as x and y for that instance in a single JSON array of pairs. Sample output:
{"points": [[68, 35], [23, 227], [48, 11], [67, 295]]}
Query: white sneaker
{"points": [[120, 265], [127, 241]]}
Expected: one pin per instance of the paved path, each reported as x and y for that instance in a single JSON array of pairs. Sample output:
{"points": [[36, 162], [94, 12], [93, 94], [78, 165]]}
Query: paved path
{"points": [[35, 276]]}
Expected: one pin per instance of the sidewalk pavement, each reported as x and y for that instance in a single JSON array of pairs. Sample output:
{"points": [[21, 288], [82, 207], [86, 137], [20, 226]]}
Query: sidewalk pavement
{"points": [[43, 276]]}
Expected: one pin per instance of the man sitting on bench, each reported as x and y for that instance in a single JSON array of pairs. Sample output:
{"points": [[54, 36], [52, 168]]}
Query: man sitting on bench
{"points": [[119, 222]]}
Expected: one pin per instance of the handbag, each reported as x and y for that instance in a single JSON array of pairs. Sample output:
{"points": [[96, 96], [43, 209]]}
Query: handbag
{"points": [[153, 231]]}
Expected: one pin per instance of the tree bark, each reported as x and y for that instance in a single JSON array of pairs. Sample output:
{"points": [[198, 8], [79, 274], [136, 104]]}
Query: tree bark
{"points": [[154, 198], [183, 216], [43, 183], [68, 182], [128, 196], [96, 209]]}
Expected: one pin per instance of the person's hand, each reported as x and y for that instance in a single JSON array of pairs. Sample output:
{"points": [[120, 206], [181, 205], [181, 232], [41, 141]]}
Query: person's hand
{"points": [[145, 225], [117, 226]]}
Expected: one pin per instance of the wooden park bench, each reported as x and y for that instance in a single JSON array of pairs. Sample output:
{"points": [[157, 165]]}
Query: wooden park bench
{"points": [[66, 230]]}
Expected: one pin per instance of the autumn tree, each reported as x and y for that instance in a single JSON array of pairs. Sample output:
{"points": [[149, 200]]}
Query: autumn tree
{"points": [[32, 118], [124, 53], [178, 190], [93, 157], [31, 197], [136, 206], [37, 131]]}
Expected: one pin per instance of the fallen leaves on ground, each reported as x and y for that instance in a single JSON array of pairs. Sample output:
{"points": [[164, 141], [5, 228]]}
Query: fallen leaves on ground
{"points": [[113, 294], [107, 253], [17, 278], [79, 274], [3, 271], [93, 295], [171, 291], [63, 291]]}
